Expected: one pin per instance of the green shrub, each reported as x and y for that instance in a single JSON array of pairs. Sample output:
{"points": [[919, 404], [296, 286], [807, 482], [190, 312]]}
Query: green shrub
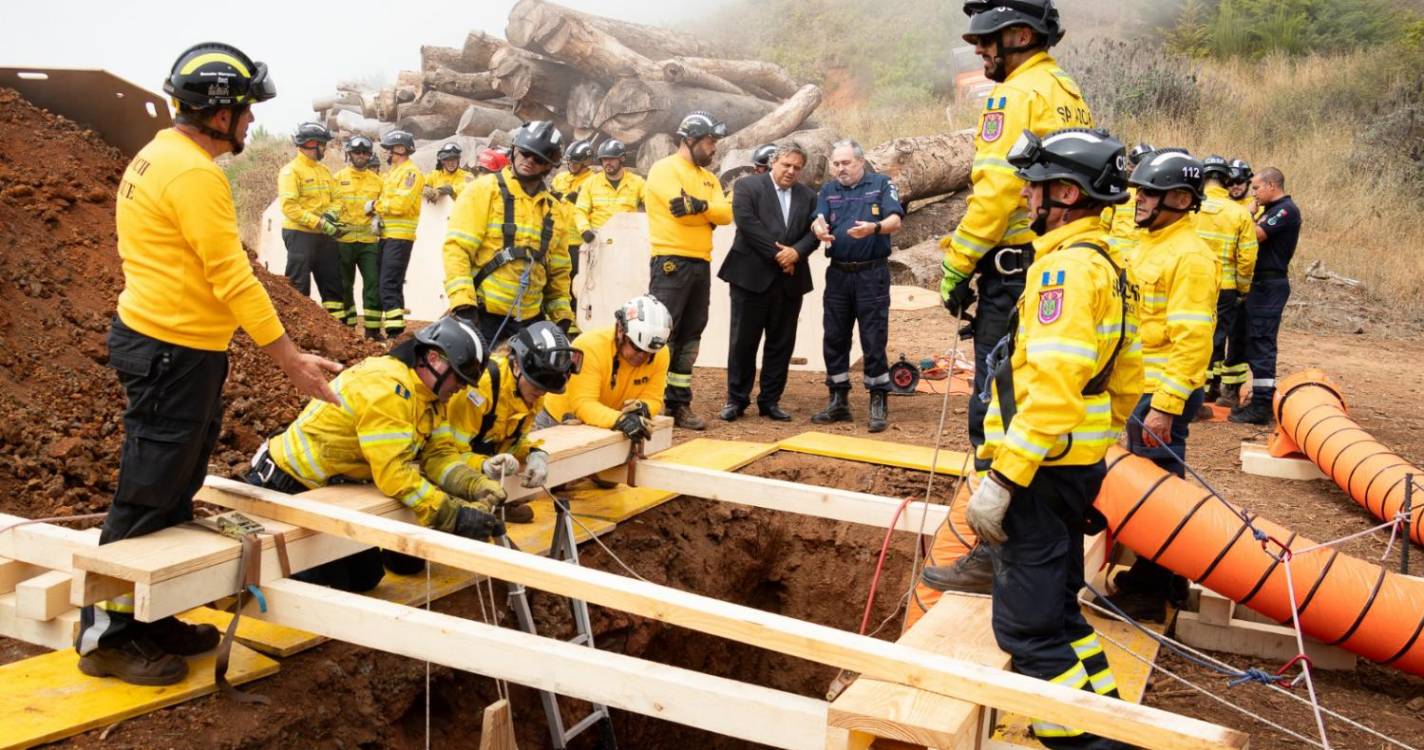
{"points": [[1257, 28], [1121, 80]]}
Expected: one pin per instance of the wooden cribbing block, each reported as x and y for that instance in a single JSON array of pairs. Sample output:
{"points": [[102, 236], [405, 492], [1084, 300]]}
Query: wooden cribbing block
{"points": [[1273, 643], [14, 571], [57, 632], [1256, 459], [43, 597], [48, 546]]}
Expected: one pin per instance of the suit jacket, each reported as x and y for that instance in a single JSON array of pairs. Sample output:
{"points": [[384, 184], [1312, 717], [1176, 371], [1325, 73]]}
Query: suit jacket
{"points": [[751, 263]]}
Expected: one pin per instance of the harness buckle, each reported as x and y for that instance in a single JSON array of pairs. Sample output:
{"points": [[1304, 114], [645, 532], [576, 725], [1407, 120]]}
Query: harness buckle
{"points": [[999, 262]]}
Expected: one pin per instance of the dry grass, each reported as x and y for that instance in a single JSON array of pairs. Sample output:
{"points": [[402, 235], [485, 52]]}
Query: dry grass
{"points": [[874, 125], [254, 180]]}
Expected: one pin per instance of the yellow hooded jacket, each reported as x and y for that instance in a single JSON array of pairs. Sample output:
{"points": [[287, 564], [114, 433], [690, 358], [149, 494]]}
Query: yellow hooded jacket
{"points": [[457, 181], [354, 187], [1070, 319], [1177, 278], [1120, 221], [567, 183], [304, 188], [599, 200], [596, 395], [399, 204], [1229, 230]]}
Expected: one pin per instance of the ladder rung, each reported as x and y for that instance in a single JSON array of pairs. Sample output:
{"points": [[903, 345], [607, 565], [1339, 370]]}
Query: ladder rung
{"points": [[585, 723], [579, 639]]}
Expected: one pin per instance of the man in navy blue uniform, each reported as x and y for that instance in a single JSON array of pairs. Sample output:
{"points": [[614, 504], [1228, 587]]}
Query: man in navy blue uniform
{"points": [[856, 213], [1278, 230]]}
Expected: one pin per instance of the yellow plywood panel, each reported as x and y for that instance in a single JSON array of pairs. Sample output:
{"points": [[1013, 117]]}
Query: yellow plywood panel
{"points": [[883, 452], [46, 698], [620, 503]]}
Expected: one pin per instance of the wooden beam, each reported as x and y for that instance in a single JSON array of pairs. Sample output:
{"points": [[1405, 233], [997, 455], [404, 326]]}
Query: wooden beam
{"points": [[497, 728], [776, 494], [56, 633], [715, 704], [1260, 640], [45, 545], [88, 588], [14, 571], [1257, 459], [887, 661], [43, 597]]}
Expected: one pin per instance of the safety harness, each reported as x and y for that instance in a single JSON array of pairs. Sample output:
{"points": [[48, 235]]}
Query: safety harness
{"points": [[481, 443], [510, 252]]}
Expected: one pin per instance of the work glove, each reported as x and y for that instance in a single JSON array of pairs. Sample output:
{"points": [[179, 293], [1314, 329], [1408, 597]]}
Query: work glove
{"points": [[686, 205], [430, 195], [446, 191], [329, 227], [468, 313], [370, 208], [571, 196], [634, 406], [588, 235], [536, 469], [500, 466], [467, 484], [480, 525], [955, 292], [987, 507], [378, 227], [565, 326], [634, 426]]}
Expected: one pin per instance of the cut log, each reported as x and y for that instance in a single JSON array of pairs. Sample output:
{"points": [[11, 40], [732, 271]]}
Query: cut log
{"points": [[567, 36], [918, 266], [765, 75], [469, 85], [931, 220], [323, 103], [657, 146], [386, 104], [441, 103], [430, 126], [520, 74], [409, 85], [478, 121], [635, 109], [479, 50], [684, 73], [733, 165], [650, 41], [817, 145], [582, 106], [432, 56], [367, 126], [777, 123], [926, 165]]}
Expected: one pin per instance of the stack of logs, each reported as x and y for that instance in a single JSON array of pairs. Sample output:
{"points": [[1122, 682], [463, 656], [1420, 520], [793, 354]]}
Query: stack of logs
{"points": [[599, 78]]}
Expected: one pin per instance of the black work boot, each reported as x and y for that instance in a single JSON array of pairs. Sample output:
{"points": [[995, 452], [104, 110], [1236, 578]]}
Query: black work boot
{"points": [[971, 574], [1142, 606], [683, 417], [518, 513], [878, 411], [1256, 412], [137, 661], [837, 409], [375, 334], [1213, 386], [177, 637]]}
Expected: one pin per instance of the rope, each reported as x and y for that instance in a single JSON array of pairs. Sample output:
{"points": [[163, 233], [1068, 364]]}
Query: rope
{"points": [[54, 519]]}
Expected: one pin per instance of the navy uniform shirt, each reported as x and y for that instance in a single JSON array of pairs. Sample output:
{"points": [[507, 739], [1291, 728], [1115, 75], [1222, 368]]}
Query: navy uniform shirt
{"points": [[1281, 222], [872, 199]]}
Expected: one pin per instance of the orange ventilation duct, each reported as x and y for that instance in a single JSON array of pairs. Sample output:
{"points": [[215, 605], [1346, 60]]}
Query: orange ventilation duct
{"points": [[1313, 422]]}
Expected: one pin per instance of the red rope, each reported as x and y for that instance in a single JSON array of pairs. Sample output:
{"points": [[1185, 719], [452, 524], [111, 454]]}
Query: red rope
{"points": [[880, 565]]}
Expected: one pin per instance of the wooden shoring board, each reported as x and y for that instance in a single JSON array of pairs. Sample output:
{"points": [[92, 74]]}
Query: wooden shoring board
{"points": [[56, 633], [620, 503], [44, 545], [1220, 625], [883, 452], [1257, 459], [45, 698], [888, 661]]}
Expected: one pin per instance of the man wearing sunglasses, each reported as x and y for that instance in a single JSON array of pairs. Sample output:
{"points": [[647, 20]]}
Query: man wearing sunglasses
{"points": [[507, 263], [188, 285]]}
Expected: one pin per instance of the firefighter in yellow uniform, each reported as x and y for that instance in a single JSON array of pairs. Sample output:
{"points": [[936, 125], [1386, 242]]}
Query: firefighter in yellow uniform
{"points": [[994, 239], [488, 426], [506, 247], [380, 432], [358, 245], [1234, 369], [624, 371], [1177, 277], [569, 183], [1063, 384], [1120, 221], [398, 214], [1227, 227], [310, 218], [614, 190], [448, 178]]}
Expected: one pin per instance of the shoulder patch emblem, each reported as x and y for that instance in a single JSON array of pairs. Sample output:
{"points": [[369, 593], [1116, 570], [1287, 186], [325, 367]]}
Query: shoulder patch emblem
{"points": [[1050, 305], [992, 128], [410, 180], [1053, 279], [894, 191], [993, 104], [475, 397], [402, 391]]}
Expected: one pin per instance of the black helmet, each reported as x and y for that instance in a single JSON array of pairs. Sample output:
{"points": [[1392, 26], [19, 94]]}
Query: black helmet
{"points": [[991, 16], [1216, 167], [761, 157], [213, 74], [400, 138], [311, 131], [1140, 150], [700, 125], [580, 152], [612, 149], [358, 143], [1241, 171], [461, 344], [545, 356], [448, 151], [541, 139], [1086, 157], [1169, 169]]}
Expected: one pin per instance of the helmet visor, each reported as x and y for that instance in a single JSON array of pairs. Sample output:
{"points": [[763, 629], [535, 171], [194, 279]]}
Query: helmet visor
{"points": [[1026, 150], [262, 88], [558, 366]]}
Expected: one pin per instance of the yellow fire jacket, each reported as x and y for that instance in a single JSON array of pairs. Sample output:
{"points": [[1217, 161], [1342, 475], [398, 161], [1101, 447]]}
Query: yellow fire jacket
{"points": [[1176, 276], [457, 181], [689, 236], [598, 200], [1120, 222], [475, 237], [187, 280], [1070, 319], [459, 438], [399, 204], [569, 185], [1229, 231], [378, 433], [354, 187], [596, 395], [304, 188], [1039, 97]]}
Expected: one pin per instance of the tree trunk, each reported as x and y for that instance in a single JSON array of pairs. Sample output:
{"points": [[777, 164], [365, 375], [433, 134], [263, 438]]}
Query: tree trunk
{"points": [[817, 145], [681, 72], [468, 85], [409, 85], [926, 165], [635, 109], [432, 56], [582, 106], [566, 36], [781, 121], [479, 50], [918, 265], [657, 146], [932, 219], [432, 126], [519, 74], [439, 103], [480, 121], [765, 75], [386, 104], [322, 103], [367, 126], [649, 41]]}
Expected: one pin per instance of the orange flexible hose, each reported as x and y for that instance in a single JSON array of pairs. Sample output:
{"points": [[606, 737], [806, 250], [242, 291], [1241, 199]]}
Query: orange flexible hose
{"points": [[1342, 600], [1314, 422]]}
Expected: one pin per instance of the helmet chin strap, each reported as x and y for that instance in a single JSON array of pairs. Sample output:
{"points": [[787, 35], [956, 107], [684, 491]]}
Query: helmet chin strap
{"points": [[230, 135], [1000, 72], [1040, 221], [1156, 212]]}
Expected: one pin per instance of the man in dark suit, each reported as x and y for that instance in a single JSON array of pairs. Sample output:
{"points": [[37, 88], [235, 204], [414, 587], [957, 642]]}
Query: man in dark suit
{"points": [[766, 270]]}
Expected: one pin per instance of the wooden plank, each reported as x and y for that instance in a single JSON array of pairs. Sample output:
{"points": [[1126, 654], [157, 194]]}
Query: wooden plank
{"points": [[608, 456], [46, 545], [716, 704], [14, 571], [46, 698], [497, 727], [1256, 459], [892, 662], [883, 452], [620, 503], [1213, 608], [43, 597], [56, 633], [1271, 642], [777, 494], [88, 588]]}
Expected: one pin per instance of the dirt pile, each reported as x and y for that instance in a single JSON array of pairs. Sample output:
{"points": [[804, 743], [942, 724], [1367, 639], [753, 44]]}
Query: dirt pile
{"points": [[60, 278]]}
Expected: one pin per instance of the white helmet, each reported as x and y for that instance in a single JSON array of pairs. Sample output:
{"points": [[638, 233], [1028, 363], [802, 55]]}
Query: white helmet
{"points": [[646, 322]]}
